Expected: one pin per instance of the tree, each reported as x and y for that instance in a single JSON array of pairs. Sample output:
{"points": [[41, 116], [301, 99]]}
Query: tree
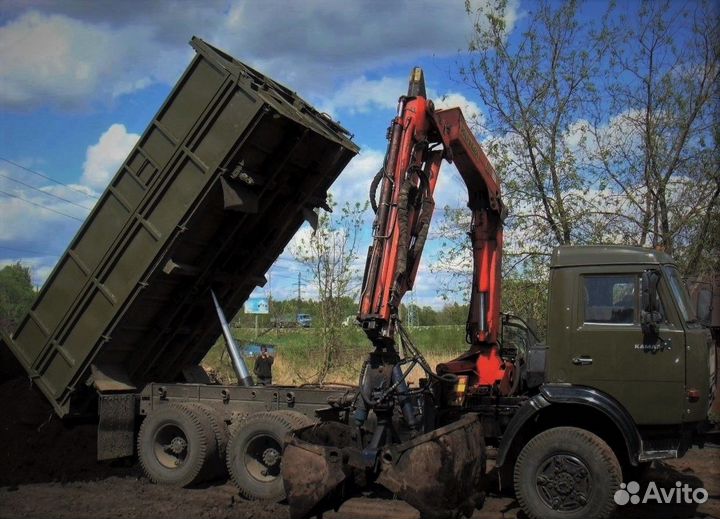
{"points": [[330, 253], [534, 87], [16, 295], [659, 150], [603, 128]]}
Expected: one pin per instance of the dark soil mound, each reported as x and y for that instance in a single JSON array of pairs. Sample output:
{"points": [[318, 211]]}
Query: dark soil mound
{"points": [[36, 446], [9, 366]]}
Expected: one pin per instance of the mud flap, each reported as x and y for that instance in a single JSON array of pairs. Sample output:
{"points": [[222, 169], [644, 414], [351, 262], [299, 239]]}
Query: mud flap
{"points": [[439, 472]]}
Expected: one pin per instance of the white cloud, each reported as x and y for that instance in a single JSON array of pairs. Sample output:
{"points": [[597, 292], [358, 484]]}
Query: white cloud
{"points": [[28, 213], [38, 221], [56, 60], [471, 110], [361, 94], [33, 230], [69, 54], [353, 184], [103, 159], [61, 61], [316, 40], [450, 189]]}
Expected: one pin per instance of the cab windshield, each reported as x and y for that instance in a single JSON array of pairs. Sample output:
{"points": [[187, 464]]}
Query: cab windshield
{"points": [[680, 294]]}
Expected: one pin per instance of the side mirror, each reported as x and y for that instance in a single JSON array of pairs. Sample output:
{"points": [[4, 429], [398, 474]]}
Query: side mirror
{"points": [[650, 315], [650, 280]]}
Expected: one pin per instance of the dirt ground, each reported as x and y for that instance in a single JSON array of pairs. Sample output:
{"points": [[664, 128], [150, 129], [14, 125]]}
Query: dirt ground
{"points": [[48, 470]]}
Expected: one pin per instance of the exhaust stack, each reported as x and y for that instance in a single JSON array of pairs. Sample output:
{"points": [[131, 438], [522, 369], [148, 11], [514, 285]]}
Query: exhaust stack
{"points": [[241, 370]]}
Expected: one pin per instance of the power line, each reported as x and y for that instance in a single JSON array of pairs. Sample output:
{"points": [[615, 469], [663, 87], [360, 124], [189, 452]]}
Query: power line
{"points": [[45, 192], [26, 251], [39, 205], [48, 178], [275, 274]]}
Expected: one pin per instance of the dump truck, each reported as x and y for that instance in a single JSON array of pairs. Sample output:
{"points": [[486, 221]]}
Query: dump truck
{"points": [[224, 175], [626, 376]]}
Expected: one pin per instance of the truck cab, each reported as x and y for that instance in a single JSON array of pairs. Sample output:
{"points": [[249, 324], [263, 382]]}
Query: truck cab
{"points": [[626, 376], [621, 321], [304, 320]]}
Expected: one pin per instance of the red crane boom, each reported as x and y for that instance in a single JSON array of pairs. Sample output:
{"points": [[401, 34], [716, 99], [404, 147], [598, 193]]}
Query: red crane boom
{"points": [[419, 139]]}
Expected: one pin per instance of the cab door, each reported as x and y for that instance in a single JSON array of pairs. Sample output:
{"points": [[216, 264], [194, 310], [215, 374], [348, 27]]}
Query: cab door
{"points": [[610, 352]]}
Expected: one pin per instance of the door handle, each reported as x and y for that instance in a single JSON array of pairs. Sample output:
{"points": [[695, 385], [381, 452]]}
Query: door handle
{"points": [[583, 360]]}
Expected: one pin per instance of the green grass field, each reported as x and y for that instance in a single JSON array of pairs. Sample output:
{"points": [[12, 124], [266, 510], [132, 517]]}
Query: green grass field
{"points": [[298, 354]]}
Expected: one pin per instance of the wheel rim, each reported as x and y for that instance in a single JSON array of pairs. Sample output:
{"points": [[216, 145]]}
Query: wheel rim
{"points": [[563, 482], [262, 457], [170, 446]]}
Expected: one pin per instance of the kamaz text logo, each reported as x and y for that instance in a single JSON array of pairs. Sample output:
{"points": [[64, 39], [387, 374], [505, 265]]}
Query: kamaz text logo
{"points": [[679, 494]]}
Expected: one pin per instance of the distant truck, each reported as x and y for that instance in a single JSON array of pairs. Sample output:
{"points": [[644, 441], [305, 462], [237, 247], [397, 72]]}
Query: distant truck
{"points": [[290, 321], [304, 320], [225, 174]]}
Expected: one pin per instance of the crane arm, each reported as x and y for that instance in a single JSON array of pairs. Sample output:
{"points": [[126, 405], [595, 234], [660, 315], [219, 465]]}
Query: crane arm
{"points": [[486, 227], [419, 138]]}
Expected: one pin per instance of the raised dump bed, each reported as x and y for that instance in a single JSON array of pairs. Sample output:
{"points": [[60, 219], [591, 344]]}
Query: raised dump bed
{"points": [[217, 185]]}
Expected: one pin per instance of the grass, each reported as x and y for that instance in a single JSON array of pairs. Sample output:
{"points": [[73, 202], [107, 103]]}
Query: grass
{"points": [[298, 354]]}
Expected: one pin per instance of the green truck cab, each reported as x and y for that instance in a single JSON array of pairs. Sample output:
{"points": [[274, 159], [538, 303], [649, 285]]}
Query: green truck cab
{"points": [[656, 360], [627, 376]]}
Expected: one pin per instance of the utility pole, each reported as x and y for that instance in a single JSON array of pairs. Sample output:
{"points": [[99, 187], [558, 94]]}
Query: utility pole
{"points": [[412, 316], [298, 302]]}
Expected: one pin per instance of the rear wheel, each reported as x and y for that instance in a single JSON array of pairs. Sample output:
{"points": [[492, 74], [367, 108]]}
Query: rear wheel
{"points": [[176, 446], [254, 454], [220, 434], [567, 473]]}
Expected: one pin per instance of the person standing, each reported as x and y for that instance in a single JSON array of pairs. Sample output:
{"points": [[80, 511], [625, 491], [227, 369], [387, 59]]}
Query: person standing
{"points": [[263, 367]]}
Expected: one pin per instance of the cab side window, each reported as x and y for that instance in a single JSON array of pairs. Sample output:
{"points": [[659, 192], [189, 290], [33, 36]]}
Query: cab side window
{"points": [[610, 299]]}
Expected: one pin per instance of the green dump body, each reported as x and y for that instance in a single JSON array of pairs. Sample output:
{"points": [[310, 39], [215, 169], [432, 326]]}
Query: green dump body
{"points": [[219, 182]]}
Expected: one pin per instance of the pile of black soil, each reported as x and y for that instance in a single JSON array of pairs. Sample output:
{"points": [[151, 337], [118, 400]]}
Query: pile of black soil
{"points": [[37, 446], [9, 366]]}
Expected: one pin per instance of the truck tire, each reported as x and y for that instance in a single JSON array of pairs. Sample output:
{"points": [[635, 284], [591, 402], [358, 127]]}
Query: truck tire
{"points": [[254, 454], [236, 422], [297, 419], [220, 433], [176, 446], [567, 473]]}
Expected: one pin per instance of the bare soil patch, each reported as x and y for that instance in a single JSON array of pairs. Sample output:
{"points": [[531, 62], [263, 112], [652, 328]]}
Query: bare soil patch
{"points": [[48, 470]]}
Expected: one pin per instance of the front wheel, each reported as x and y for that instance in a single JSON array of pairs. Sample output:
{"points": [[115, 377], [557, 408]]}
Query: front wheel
{"points": [[567, 473]]}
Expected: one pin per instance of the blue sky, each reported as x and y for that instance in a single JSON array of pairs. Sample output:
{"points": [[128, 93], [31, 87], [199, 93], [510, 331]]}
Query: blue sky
{"points": [[80, 80]]}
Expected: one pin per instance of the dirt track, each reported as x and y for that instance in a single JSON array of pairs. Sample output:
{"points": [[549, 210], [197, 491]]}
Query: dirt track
{"points": [[48, 470]]}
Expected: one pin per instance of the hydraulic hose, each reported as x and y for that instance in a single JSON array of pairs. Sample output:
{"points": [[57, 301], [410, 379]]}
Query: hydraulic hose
{"points": [[373, 189]]}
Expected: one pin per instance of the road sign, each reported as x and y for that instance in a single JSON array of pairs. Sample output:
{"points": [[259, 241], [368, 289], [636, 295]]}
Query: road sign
{"points": [[257, 305]]}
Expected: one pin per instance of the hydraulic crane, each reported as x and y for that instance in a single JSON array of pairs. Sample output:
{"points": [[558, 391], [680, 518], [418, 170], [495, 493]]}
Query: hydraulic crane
{"points": [[420, 137], [374, 448]]}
